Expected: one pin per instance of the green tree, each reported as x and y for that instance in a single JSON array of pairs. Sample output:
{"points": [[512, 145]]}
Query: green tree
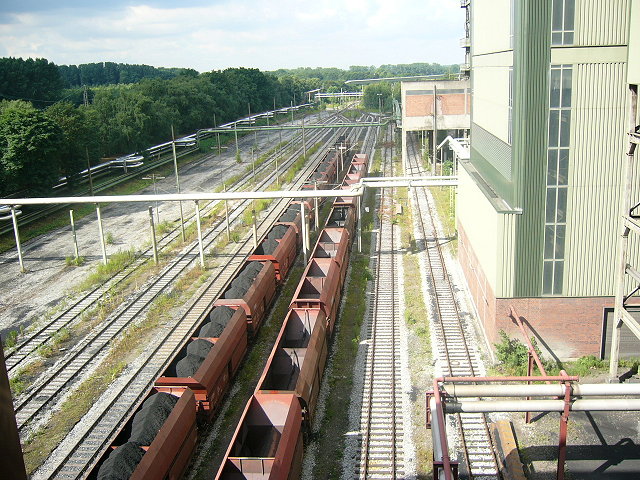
{"points": [[36, 80], [79, 134], [375, 93], [29, 149]]}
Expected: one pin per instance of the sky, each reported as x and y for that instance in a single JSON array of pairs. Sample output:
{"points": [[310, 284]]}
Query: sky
{"points": [[216, 34]]}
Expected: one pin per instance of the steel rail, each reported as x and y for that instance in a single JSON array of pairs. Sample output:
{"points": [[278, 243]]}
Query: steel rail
{"points": [[81, 357], [19, 356], [453, 340], [379, 447], [71, 465]]}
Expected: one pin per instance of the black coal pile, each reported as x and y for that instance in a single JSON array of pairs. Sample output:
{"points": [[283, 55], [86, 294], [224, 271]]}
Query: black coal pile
{"points": [[218, 320], [121, 462], [266, 247], [197, 351], [152, 415], [290, 214], [277, 232], [244, 280]]}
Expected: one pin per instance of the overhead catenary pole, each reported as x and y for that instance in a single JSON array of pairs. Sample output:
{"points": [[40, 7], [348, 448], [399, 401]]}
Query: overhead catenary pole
{"points": [[255, 226], [199, 226], [435, 126], [153, 177], [175, 167], [217, 134], [315, 207], [304, 140], [73, 233], [86, 151], [153, 236], [101, 233], [16, 233], [359, 226], [226, 213], [303, 224], [235, 132]]}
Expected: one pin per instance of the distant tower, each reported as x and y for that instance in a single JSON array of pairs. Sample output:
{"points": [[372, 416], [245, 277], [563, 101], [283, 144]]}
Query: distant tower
{"points": [[85, 96]]}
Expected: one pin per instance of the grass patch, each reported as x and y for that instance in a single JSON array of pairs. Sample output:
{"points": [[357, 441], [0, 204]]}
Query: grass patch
{"points": [[109, 239], [512, 354], [10, 339], [445, 205], [164, 227], [74, 261], [117, 262]]}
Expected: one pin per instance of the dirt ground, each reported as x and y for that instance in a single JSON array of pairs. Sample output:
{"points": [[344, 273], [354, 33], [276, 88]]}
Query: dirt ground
{"points": [[25, 297], [600, 445]]}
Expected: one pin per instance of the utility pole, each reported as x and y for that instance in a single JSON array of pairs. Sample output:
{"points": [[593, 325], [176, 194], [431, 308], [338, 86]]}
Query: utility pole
{"points": [[86, 151], [175, 167], [217, 134], [153, 178]]}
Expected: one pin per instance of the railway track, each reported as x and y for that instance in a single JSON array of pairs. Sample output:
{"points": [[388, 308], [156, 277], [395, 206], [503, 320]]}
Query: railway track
{"points": [[47, 389], [22, 354], [72, 460], [454, 345], [381, 424]]}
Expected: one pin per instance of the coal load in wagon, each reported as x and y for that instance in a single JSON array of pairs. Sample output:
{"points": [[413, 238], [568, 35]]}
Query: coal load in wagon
{"points": [[197, 351], [290, 214], [121, 462], [148, 421], [242, 283], [218, 320], [267, 247], [277, 232], [323, 167]]}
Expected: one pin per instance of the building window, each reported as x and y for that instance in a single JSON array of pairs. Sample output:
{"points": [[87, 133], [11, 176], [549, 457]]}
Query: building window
{"points": [[557, 178], [562, 20]]}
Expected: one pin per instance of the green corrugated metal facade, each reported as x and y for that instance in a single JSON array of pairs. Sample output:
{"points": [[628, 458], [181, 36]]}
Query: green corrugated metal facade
{"points": [[597, 149], [530, 112]]}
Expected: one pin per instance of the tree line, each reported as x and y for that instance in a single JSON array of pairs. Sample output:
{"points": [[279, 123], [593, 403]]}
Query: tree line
{"points": [[40, 143], [47, 131]]}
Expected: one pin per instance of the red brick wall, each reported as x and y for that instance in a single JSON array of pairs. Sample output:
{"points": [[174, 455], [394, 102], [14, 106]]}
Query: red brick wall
{"points": [[565, 327], [448, 104]]}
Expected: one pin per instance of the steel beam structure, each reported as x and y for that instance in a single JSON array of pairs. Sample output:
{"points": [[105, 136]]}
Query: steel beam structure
{"points": [[626, 275]]}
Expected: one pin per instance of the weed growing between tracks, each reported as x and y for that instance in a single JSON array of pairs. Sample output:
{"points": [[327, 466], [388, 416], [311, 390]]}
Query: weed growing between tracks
{"points": [[103, 272], [335, 423], [444, 198], [123, 350], [419, 341]]}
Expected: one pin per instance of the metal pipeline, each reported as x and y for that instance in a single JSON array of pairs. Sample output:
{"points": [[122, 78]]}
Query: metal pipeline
{"points": [[356, 191], [591, 405], [577, 390]]}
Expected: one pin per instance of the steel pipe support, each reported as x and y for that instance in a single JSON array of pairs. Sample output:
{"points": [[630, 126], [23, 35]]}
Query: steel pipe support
{"points": [[590, 405], [551, 390]]}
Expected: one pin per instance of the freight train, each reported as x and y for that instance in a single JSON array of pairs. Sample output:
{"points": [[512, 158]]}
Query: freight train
{"points": [[158, 440], [268, 442]]}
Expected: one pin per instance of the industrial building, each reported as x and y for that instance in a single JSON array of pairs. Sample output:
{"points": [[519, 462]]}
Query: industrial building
{"points": [[538, 205]]}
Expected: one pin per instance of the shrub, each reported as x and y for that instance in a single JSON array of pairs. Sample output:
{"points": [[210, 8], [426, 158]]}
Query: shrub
{"points": [[513, 354]]}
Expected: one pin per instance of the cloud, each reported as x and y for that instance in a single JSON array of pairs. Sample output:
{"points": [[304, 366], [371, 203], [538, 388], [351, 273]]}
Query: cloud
{"points": [[212, 35]]}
